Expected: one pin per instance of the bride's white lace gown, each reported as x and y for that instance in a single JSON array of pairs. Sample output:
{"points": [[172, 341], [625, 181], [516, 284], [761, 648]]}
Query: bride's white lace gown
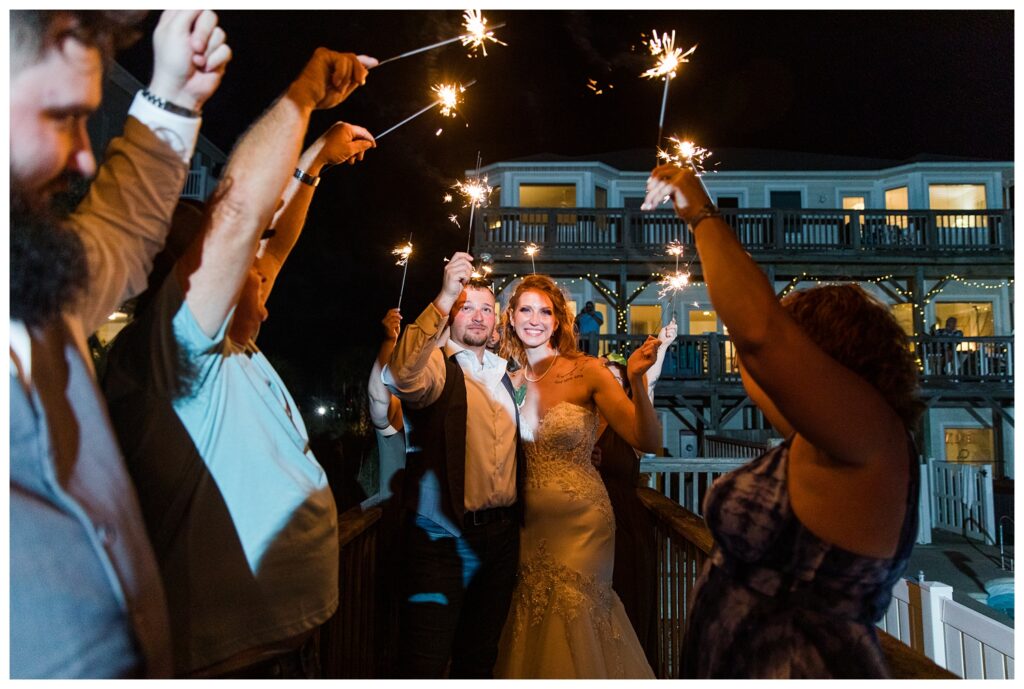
{"points": [[565, 620]]}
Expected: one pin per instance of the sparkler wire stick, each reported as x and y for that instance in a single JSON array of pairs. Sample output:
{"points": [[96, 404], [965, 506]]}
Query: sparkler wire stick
{"points": [[472, 207], [404, 269], [431, 46], [661, 117], [421, 111]]}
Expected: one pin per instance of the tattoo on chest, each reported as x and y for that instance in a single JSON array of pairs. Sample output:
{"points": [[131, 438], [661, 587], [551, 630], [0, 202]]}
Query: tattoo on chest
{"points": [[575, 373]]}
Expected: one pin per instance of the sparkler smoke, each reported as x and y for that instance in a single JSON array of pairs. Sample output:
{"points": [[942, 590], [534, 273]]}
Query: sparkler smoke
{"points": [[403, 252], [447, 99], [477, 34], [669, 60]]}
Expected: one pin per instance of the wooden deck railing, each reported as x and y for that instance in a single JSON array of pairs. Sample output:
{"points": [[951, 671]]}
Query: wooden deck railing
{"points": [[712, 357], [358, 643], [562, 233]]}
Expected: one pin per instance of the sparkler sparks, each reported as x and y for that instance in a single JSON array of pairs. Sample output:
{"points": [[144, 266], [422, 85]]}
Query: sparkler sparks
{"points": [[685, 152], [669, 57], [402, 253], [477, 33], [531, 250], [448, 97], [673, 284], [475, 192]]}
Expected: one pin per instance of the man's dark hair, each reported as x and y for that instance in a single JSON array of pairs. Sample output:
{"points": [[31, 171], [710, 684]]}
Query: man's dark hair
{"points": [[34, 31]]}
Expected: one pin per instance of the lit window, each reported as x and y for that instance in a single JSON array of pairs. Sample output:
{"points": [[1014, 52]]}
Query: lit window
{"points": [[644, 319], [958, 197], [969, 445], [974, 319], [897, 200], [547, 195], [702, 321], [852, 203]]}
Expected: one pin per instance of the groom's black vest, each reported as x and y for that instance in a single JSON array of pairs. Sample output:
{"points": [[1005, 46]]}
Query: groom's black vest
{"points": [[435, 462]]}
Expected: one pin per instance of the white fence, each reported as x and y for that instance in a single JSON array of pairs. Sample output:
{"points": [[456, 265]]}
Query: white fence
{"points": [[961, 499], [924, 616]]}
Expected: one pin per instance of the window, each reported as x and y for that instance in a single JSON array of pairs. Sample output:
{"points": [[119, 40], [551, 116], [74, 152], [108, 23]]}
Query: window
{"points": [[897, 200], [703, 322], [494, 200], [728, 202], [790, 200], [958, 197], [547, 195], [904, 315], [644, 319], [852, 203], [600, 197], [632, 203], [969, 445], [973, 318]]}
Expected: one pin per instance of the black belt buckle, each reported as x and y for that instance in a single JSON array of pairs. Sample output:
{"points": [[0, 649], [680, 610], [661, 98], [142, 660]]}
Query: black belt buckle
{"points": [[484, 517]]}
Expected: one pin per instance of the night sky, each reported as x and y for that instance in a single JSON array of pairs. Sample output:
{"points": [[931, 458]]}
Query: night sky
{"points": [[874, 84]]}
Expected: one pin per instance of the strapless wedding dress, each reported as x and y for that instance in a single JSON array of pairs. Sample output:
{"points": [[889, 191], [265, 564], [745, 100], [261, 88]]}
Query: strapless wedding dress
{"points": [[565, 620]]}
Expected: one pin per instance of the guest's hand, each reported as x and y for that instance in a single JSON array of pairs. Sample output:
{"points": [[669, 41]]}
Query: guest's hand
{"points": [[679, 184], [189, 57], [343, 142], [329, 78], [392, 324], [667, 335], [456, 275], [642, 358]]}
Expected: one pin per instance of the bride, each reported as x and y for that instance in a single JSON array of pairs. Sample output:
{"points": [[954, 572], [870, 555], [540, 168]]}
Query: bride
{"points": [[565, 620]]}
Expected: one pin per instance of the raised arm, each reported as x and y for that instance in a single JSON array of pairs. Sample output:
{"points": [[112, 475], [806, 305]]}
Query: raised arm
{"points": [[666, 336], [385, 408], [343, 142], [256, 174], [124, 219], [635, 420], [833, 408]]}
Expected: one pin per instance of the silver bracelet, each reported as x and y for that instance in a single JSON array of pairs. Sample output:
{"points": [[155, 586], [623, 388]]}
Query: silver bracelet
{"points": [[306, 178]]}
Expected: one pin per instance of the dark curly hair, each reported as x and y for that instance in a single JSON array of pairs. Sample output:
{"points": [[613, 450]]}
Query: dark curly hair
{"points": [[564, 337], [860, 333], [34, 31]]}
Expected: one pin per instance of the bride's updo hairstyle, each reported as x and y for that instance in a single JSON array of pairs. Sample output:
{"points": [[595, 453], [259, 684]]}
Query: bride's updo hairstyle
{"points": [[563, 339], [860, 333]]}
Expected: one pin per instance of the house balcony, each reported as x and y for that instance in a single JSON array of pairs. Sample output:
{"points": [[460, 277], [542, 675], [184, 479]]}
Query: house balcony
{"points": [[696, 364], [843, 241]]}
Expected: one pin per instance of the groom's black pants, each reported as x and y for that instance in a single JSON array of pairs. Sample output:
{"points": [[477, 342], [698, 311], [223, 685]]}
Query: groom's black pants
{"points": [[456, 593]]}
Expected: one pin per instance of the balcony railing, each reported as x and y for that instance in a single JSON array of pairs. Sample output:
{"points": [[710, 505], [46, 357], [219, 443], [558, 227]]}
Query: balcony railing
{"points": [[563, 232], [355, 644], [712, 357]]}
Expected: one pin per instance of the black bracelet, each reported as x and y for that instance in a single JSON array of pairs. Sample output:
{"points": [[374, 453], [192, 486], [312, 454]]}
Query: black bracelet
{"points": [[708, 210], [168, 105], [306, 178]]}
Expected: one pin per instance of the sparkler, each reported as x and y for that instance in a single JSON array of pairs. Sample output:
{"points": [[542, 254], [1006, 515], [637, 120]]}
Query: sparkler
{"points": [[403, 252], [475, 192], [477, 34], [531, 250], [676, 282], [669, 60], [685, 152], [447, 100]]}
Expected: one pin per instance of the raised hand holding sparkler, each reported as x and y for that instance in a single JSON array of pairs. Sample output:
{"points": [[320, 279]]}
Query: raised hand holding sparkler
{"points": [[448, 98], [669, 60], [476, 36]]}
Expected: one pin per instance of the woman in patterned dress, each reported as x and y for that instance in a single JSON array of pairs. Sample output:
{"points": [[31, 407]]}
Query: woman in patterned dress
{"points": [[811, 536]]}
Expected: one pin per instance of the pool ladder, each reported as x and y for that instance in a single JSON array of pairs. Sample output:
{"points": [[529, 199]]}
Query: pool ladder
{"points": [[1005, 561]]}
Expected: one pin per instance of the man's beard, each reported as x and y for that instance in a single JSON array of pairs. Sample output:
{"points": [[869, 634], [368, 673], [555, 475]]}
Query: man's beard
{"points": [[474, 340], [48, 266]]}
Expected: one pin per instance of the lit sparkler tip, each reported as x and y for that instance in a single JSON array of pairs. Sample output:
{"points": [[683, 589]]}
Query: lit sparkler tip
{"points": [[477, 33], [475, 192], [448, 97], [402, 252], [685, 152], [669, 57], [673, 284], [674, 248], [531, 249]]}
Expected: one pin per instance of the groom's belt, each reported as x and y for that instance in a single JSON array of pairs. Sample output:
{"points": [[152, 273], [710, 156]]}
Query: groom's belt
{"points": [[493, 514]]}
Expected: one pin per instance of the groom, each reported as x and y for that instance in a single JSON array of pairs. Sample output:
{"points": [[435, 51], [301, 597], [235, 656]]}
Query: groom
{"points": [[464, 471]]}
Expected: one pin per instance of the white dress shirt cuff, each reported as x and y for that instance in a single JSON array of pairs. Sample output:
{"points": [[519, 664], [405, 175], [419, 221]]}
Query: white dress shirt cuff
{"points": [[179, 132]]}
